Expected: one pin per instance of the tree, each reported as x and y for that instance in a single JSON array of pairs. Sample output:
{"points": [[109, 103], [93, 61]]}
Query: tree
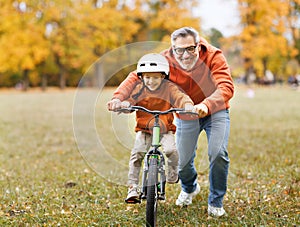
{"points": [[264, 44], [215, 37], [292, 24], [23, 46], [165, 16], [60, 20], [102, 28], [54, 42]]}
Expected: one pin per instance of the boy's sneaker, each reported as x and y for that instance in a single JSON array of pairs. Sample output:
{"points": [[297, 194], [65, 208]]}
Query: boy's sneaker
{"points": [[185, 199], [133, 195], [172, 175], [215, 211]]}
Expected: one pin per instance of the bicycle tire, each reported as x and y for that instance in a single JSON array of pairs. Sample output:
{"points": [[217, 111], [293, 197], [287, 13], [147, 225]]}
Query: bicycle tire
{"points": [[151, 206]]}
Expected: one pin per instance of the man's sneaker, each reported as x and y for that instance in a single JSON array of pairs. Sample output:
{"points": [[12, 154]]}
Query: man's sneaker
{"points": [[215, 211], [185, 199], [133, 195], [172, 175]]}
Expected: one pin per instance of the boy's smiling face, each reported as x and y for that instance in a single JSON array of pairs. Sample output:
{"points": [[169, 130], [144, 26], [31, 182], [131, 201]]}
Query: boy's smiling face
{"points": [[152, 80]]}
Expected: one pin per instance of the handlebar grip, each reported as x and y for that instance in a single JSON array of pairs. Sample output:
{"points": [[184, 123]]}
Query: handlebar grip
{"points": [[124, 110]]}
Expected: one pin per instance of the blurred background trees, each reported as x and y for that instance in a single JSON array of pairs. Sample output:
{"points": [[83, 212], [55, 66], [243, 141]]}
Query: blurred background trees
{"points": [[53, 42], [270, 36]]}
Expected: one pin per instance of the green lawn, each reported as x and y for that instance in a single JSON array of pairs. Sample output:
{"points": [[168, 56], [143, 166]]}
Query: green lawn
{"points": [[46, 180]]}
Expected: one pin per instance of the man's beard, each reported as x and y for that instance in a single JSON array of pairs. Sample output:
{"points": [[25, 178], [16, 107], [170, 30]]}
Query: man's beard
{"points": [[189, 66]]}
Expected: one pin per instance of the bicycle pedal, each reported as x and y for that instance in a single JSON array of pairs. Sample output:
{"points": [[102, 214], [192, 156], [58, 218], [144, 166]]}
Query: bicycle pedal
{"points": [[161, 197], [143, 197]]}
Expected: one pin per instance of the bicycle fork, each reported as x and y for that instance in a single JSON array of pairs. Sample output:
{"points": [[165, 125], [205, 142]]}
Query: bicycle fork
{"points": [[155, 153], [161, 176], [162, 180]]}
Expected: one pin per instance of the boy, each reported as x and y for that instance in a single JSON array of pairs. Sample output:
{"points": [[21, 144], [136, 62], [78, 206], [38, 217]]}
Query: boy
{"points": [[155, 93]]}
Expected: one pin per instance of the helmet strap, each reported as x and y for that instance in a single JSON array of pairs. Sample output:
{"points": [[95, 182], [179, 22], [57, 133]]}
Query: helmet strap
{"points": [[135, 96]]}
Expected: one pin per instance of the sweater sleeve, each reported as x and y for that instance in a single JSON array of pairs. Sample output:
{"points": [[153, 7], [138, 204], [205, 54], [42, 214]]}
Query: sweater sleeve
{"points": [[178, 97], [136, 89], [125, 89], [223, 81]]}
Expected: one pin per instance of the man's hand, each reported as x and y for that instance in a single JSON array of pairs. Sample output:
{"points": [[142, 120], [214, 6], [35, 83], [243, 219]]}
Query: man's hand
{"points": [[201, 109], [188, 107], [114, 104]]}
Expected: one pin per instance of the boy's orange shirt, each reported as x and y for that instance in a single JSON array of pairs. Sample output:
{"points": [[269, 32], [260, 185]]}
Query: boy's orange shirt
{"points": [[166, 96]]}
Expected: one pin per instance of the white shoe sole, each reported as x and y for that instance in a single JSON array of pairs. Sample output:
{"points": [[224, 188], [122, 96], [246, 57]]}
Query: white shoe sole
{"points": [[193, 194], [213, 213]]}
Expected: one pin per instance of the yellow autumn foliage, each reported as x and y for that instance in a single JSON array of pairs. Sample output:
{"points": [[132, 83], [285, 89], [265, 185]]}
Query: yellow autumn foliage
{"points": [[54, 37], [264, 37]]}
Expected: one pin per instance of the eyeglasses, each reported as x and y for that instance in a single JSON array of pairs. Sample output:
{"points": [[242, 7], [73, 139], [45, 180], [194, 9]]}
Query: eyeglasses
{"points": [[180, 50]]}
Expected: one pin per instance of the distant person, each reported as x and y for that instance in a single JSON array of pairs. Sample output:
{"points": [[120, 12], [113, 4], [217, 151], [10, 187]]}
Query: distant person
{"points": [[201, 70], [293, 81], [153, 92]]}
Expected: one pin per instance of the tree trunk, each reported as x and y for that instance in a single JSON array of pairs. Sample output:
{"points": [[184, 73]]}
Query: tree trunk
{"points": [[44, 82], [265, 65], [25, 80], [62, 79], [62, 74], [248, 70], [99, 75]]}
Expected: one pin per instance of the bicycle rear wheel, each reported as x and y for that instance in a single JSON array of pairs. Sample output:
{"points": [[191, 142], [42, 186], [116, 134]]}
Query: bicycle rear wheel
{"points": [[151, 206]]}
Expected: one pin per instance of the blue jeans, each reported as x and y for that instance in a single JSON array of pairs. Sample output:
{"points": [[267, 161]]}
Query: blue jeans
{"points": [[217, 127]]}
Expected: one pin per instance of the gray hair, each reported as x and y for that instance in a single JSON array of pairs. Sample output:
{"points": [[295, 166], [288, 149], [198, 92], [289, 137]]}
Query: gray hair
{"points": [[184, 32]]}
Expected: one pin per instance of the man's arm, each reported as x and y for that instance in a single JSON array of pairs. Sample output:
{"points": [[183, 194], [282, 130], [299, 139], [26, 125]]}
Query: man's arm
{"points": [[224, 84], [123, 91], [178, 97]]}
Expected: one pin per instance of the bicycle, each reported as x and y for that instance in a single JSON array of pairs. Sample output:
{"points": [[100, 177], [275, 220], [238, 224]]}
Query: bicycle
{"points": [[153, 177]]}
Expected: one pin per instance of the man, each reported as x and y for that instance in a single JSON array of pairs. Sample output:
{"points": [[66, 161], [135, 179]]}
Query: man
{"points": [[202, 72]]}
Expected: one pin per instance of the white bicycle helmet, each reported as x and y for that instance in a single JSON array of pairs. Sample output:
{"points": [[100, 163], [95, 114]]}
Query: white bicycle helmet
{"points": [[153, 63]]}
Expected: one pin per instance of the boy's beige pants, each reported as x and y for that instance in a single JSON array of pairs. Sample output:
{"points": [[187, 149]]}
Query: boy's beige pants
{"points": [[141, 146]]}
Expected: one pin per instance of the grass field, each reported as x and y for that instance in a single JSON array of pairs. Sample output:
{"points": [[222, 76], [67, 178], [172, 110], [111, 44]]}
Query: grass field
{"points": [[45, 180]]}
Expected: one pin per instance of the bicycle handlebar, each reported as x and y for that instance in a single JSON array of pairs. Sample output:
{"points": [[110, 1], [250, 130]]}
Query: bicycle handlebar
{"points": [[155, 112]]}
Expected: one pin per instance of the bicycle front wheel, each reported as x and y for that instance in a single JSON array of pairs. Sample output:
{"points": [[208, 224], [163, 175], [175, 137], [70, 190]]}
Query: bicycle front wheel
{"points": [[151, 206]]}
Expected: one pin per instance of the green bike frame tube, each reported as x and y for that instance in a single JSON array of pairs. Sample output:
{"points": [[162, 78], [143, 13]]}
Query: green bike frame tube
{"points": [[155, 136]]}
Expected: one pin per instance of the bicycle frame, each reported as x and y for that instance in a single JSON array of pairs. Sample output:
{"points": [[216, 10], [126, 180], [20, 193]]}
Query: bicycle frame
{"points": [[157, 154], [156, 132]]}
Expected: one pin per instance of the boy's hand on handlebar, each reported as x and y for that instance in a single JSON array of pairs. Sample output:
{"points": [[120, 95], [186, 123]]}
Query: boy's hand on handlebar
{"points": [[114, 104], [125, 104], [201, 109]]}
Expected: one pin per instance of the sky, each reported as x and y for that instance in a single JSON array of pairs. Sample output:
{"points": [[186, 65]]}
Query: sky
{"points": [[219, 14]]}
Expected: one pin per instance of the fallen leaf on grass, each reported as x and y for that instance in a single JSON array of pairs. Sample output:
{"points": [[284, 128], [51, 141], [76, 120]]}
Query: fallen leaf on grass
{"points": [[12, 213], [129, 207], [70, 184], [135, 211], [65, 211]]}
